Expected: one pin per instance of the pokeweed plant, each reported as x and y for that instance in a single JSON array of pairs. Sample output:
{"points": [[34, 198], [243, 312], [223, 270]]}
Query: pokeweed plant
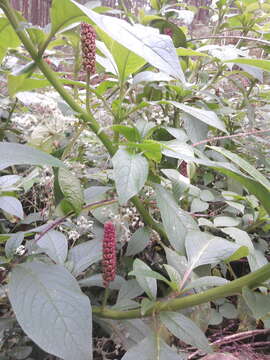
{"points": [[162, 110]]}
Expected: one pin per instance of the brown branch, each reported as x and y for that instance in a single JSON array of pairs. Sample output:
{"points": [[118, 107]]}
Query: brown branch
{"points": [[243, 134], [231, 338], [265, 42]]}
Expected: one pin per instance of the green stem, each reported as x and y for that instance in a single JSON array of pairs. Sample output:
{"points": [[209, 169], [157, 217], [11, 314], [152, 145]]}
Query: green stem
{"points": [[235, 287], [105, 298], [86, 116], [53, 79], [87, 100]]}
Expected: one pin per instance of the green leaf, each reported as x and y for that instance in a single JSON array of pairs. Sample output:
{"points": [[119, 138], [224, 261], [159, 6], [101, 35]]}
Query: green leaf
{"points": [[244, 165], [148, 273], [127, 61], [221, 221], [130, 133], [185, 329], [8, 37], [12, 206], [178, 262], [130, 172], [175, 220], [138, 241], [97, 280], [71, 189], [55, 245], [206, 116], [84, 255], [17, 154], [258, 303], [43, 296], [204, 248], [178, 36], [24, 83], [262, 64], [13, 243], [144, 41], [149, 76], [64, 13], [148, 284]]}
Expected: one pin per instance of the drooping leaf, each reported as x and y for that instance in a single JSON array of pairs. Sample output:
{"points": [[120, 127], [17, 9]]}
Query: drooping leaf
{"points": [[204, 248], [144, 41], [244, 165], [11, 205], [175, 220], [178, 262], [206, 116], [148, 284], [55, 245], [84, 255], [71, 189], [185, 329], [7, 181], [17, 154], [43, 296], [206, 281], [130, 173], [149, 76]]}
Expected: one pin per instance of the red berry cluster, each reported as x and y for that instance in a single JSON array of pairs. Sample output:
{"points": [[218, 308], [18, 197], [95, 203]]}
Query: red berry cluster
{"points": [[88, 40], [109, 253]]}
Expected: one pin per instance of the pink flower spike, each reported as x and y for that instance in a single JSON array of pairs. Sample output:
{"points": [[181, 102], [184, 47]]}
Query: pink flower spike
{"points": [[109, 253]]}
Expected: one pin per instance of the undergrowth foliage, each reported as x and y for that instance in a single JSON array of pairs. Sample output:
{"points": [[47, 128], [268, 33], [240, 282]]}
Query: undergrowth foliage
{"points": [[134, 179]]}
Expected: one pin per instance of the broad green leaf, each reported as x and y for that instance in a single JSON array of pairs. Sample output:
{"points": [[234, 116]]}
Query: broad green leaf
{"points": [[148, 284], [55, 245], [52, 310], [185, 329], [176, 149], [138, 241], [175, 220], [130, 172], [206, 116], [258, 303], [228, 311], [84, 255], [198, 205], [144, 41], [13, 243], [129, 290], [23, 83], [17, 154], [178, 36], [262, 64], [204, 248], [8, 37], [71, 189], [11, 205], [174, 276], [64, 13], [145, 127], [241, 237], [244, 165], [126, 60], [130, 133], [220, 221], [178, 262]]}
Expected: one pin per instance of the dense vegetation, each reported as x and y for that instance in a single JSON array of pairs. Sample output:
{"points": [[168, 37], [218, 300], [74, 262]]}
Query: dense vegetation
{"points": [[134, 190]]}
